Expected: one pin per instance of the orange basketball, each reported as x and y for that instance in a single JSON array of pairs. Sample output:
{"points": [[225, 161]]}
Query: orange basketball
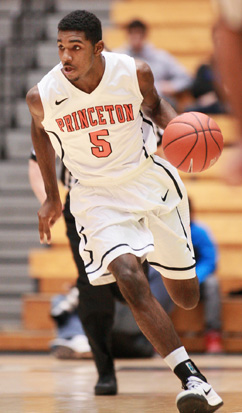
{"points": [[192, 142]]}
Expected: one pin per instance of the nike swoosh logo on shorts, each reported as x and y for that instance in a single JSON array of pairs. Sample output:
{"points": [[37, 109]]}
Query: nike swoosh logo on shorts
{"points": [[60, 101], [165, 196]]}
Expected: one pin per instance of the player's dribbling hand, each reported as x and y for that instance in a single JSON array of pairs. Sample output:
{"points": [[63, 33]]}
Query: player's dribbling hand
{"points": [[48, 214]]}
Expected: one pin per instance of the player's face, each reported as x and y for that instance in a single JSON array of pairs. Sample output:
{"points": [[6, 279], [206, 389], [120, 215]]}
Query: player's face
{"points": [[136, 39], [76, 54]]}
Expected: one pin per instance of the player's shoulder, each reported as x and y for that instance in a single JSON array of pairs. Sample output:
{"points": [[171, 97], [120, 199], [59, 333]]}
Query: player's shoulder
{"points": [[142, 67], [144, 73], [33, 96], [34, 101]]}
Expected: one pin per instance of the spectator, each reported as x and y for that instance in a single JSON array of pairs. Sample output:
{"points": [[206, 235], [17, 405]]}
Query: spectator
{"points": [[205, 92], [206, 255], [170, 76]]}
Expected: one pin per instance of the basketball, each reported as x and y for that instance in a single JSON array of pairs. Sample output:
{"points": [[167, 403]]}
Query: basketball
{"points": [[192, 142]]}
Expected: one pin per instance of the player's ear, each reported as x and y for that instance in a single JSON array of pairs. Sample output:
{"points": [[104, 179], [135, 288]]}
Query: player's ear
{"points": [[98, 48]]}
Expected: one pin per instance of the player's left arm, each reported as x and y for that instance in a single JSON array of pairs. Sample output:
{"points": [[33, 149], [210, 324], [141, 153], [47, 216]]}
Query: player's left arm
{"points": [[36, 181], [157, 108]]}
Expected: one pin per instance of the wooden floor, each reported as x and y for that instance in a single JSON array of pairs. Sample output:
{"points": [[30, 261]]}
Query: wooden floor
{"points": [[41, 383]]}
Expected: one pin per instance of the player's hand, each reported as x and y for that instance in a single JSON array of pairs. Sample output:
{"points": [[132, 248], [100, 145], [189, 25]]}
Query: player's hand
{"points": [[48, 214]]}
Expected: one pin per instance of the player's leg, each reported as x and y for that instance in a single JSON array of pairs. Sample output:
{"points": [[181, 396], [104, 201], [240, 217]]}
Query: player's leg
{"points": [[184, 293], [96, 311], [148, 313], [158, 328], [173, 256]]}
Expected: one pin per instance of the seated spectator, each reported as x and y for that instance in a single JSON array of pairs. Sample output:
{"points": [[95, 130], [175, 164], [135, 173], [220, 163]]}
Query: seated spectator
{"points": [[205, 92], [170, 76], [206, 255]]}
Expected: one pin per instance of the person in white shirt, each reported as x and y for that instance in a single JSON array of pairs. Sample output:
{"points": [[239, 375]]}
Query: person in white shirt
{"points": [[171, 78]]}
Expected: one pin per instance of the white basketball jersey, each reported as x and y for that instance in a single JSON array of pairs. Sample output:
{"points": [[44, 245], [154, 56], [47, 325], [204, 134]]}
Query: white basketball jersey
{"points": [[103, 134]]}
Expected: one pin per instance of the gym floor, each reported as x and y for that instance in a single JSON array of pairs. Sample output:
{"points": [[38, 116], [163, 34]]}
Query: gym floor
{"points": [[41, 383]]}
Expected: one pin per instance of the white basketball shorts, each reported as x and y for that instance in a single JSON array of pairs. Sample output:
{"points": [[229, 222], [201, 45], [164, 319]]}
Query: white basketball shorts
{"points": [[147, 215]]}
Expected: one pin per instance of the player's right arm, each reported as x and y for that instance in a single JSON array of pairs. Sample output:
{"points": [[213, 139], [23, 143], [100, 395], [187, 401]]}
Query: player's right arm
{"points": [[51, 209]]}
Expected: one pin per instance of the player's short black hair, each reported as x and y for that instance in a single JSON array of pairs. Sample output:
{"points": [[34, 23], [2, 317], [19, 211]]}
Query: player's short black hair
{"points": [[83, 21], [136, 24]]}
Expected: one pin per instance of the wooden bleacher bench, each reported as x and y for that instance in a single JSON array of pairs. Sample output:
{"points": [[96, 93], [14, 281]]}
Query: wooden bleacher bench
{"points": [[210, 196], [229, 263], [26, 340], [36, 312], [173, 13], [52, 263], [58, 233], [59, 267], [55, 285], [179, 41], [188, 323], [226, 227]]}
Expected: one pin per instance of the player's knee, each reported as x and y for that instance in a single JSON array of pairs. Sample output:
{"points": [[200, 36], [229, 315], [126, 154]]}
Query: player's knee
{"points": [[184, 293], [132, 282], [133, 286], [191, 295], [191, 301]]}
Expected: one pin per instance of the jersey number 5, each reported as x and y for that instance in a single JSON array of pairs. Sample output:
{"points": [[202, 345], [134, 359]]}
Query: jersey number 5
{"points": [[102, 148]]}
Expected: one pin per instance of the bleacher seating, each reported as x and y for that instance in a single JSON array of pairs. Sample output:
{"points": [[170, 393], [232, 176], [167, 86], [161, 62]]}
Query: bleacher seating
{"points": [[182, 27], [173, 13], [179, 41]]}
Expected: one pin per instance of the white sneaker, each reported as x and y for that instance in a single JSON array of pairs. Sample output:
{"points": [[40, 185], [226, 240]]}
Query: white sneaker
{"points": [[75, 348], [199, 397]]}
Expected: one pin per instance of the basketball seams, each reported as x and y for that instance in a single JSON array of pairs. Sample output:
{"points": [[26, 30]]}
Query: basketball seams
{"points": [[184, 159], [180, 137], [187, 123], [212, 130], [191, 129], [205, 141], [189, 134]]}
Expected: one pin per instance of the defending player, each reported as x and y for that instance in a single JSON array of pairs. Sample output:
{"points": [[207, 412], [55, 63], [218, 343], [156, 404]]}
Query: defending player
{"points": [[127, 203]]}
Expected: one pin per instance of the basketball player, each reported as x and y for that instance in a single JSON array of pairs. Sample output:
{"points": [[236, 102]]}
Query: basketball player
{"points": [[127, 203]]}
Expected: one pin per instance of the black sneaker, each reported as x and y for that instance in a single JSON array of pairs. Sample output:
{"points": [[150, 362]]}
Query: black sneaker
{"points": [[106, 386]]}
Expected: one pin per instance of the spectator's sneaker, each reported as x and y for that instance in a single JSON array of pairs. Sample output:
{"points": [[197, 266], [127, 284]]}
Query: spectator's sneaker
{"points": [[76, 347], [198, 397], [213, 342]]}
